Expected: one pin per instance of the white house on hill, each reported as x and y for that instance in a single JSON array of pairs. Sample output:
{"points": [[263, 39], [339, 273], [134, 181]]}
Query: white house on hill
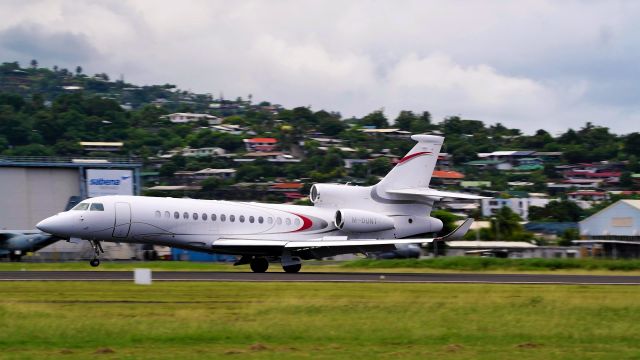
{"points": [[191, 117]]}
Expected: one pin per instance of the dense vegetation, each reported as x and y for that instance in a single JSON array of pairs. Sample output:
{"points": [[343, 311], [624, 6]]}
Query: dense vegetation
{"points": [[473, 263], [47, 112], [35, 109]]}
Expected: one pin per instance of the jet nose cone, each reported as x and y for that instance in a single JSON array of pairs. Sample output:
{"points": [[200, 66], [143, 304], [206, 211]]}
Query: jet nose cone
{"points": [[50, 225]]}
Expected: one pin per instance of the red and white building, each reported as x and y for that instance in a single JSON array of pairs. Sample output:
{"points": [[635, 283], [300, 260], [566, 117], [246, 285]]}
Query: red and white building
{"points": [[261, 144]]}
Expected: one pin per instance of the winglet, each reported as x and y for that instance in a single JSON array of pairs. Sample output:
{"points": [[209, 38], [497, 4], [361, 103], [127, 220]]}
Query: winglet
{"points": [[459, 232]]}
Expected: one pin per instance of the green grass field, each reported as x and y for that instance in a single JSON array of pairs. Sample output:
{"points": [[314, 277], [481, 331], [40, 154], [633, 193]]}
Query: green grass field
{"points": [[441, 264], [474, 263], [109, 320]]}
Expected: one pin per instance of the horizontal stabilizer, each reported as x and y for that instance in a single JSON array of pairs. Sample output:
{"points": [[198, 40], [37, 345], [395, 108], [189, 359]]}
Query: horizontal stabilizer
{"points": [[436, 194]]}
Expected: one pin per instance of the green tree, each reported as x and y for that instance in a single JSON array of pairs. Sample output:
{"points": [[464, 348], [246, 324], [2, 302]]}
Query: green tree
{"points": [[211, 183], [329, 123], [167, 170], [405, 119], [376, 119], [380, 166], [567, 236], [557, 211], [626, 180], [448, 221], [506, 225], [632, 144], [422, 124], [249, 172], [30, 150]]}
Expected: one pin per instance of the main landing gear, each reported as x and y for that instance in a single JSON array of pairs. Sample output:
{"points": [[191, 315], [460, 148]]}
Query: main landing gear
{"points": [[97, 250], [259, 264], [292, 268]]}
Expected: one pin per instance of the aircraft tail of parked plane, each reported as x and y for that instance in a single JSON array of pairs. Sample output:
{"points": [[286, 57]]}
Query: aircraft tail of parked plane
{"points": [[343, 218]]}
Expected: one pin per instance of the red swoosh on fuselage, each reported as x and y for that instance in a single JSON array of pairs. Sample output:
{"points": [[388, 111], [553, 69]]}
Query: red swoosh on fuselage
{"points": [[306, 222], [414, 155]]}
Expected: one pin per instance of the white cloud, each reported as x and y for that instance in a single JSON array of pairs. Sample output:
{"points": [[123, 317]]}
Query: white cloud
{"points": [[526, 64]]}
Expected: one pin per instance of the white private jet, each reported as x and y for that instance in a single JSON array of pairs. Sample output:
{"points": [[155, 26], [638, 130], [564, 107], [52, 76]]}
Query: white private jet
{"points": [[343, 219]]}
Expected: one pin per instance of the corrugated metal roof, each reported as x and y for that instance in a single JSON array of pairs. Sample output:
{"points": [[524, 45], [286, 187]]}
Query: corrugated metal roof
{"points": [[634, 203], [447, 174], [100, 143], [523, 153], [490, 244], [262, 140]]}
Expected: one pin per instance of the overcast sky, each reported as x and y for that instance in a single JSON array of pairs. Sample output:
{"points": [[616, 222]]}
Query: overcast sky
{"points": [[527, 64]]}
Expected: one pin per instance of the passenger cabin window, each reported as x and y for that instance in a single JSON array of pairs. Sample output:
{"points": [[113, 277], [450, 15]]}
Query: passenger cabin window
{"points": [[204, 217], [241, 218], [287, 221], [185, 215], [158, 214], [260, 219], [213, 217], [297, 222], [223, 217], [167, 215], [252, 219], [81, 206], [232, 218], [176, 215], [195, 216], [270, 220], [279, 221], [96, 207]]}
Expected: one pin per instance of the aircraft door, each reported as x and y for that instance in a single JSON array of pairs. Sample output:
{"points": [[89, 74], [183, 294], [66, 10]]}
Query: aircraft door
{"points": [[123, 220]]}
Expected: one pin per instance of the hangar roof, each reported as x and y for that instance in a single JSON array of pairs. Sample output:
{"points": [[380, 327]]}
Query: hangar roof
{"points": [[634, 203]]}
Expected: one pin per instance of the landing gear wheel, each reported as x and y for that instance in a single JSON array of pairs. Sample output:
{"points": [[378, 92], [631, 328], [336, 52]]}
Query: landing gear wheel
{"points": [[292, 268], [97, 250], [15, 257], [259, 265]]}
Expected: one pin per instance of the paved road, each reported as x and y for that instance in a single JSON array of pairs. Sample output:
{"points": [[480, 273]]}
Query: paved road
{"points": [[320, 277]]}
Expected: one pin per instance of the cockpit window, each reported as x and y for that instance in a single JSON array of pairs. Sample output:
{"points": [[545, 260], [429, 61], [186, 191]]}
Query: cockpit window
{"points": [[81, 206], [96, 207]]}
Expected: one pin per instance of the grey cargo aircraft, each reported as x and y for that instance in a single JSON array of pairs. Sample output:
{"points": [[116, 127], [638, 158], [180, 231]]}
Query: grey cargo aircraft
{"points": [[15, 243]]}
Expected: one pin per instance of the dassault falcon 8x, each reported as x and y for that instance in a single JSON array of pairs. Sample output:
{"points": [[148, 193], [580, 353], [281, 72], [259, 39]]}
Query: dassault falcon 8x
{"points": [[343, 219]]}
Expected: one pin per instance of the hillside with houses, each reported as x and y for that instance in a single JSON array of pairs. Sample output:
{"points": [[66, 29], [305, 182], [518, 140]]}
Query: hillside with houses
{"points": [[206, 146]]}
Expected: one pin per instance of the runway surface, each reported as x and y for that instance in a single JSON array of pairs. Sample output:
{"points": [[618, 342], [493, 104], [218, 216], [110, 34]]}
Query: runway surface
{"points": [[323, 277]]}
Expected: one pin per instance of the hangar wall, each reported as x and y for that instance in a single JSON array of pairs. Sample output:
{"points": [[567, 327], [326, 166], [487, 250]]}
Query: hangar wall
{"points": [[619, 220], [30, 194]]}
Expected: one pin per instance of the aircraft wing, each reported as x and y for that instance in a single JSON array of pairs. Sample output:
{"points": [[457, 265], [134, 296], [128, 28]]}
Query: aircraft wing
{"points": [[458, 233], [338, 242], [249, 242], [436, 194]]}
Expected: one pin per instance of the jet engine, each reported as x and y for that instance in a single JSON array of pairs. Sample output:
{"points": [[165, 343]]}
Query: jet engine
{"points": [[338, 196], [361, 221]]}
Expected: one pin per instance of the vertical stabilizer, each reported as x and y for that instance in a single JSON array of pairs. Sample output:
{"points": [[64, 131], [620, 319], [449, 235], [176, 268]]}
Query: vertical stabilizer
{"points": [[415, 169]]}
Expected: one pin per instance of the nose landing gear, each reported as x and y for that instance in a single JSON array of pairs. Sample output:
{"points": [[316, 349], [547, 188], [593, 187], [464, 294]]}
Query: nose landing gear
{"points": [[97, 250]]}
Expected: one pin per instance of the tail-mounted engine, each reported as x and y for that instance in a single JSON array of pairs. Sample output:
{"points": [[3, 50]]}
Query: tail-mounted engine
{"points": [[339, 196], [361, 221]]}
